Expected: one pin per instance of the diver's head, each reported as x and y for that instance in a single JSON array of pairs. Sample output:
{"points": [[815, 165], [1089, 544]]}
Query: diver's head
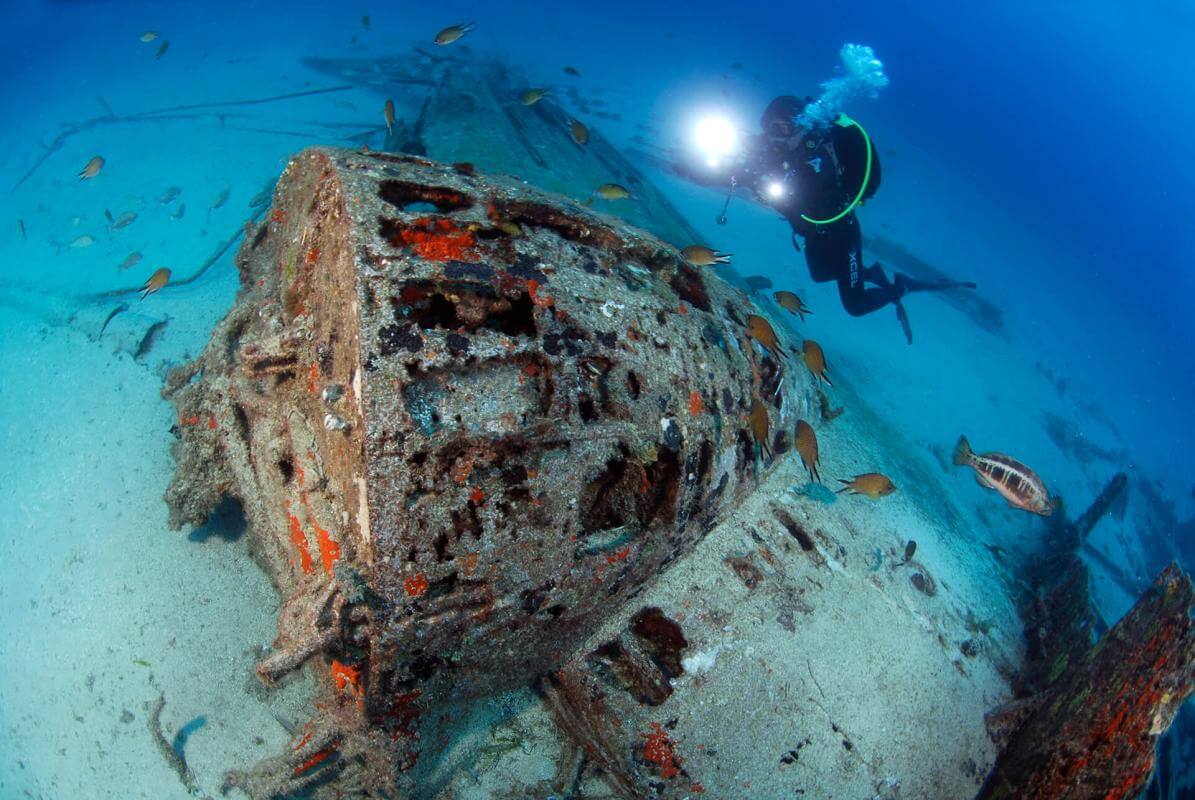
{"points": [[779, 118]]}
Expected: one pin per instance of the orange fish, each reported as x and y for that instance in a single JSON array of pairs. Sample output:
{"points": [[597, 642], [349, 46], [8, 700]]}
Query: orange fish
{"points": [[1015, 482], [815, 359], [790, 302], [807, 447], [92, 169], [762, 332], [156, 281], [760, 424], [872, 484], [388, 114]]}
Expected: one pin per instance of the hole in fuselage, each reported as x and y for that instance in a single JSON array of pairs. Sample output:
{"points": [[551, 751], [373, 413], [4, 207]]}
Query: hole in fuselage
{"points": [[416, 197]]}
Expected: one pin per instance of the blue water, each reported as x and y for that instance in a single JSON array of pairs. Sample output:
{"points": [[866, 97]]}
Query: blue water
{"points": [[1038, 149]]}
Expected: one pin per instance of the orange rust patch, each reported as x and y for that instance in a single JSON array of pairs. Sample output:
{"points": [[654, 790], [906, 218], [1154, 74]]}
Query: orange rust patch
{"points": [[345, 676], [695, 404], [306, 737], [619, 555], [191, 420], [533, 293], [683, 309], [436, 240], [315, 760], [476, 496], [312, 378], [658, 749], [299, 540], [312, 255], [416, 585], [329, 548], [277, 215], [470, 564]]}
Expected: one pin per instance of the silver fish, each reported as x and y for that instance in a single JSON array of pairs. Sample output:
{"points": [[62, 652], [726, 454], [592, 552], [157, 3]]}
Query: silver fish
{"points": [[123, 220], [1015, 482]]}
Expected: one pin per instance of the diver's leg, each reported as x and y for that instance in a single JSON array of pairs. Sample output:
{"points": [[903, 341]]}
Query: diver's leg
{"points": [[823, 252], [852, 276], [875, 274]]}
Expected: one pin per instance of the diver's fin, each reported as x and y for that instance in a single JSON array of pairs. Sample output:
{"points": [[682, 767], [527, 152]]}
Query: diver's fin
{"points": [[908, 284], [903, 316]]}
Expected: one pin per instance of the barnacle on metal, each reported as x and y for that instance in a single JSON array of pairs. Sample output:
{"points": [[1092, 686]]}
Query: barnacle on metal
{"points": [[459, 449]]}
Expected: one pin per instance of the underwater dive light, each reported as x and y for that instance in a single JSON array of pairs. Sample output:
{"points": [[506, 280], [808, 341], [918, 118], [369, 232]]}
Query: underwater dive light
{"points": [[716, 137], [775, 190]]}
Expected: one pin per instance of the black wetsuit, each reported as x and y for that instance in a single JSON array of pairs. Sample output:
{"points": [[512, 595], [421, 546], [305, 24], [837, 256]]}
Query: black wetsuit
{"points": [[826, 169]]}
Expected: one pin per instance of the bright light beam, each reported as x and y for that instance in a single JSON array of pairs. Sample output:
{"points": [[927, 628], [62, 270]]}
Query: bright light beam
{"points": [[716, 137]]}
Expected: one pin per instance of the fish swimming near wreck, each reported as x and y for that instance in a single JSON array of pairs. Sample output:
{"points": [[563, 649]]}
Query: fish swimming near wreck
{"points": [[155, 282], [533, 96], [388, 115], [91, 168], [791, 303], [123, 221], [578, 132], [762, 331], [1015, 482], [702, 256], [872, 484], [760, 424], [452, 33], [815, 360], [613, 191], [120, 309], [807, 448]]}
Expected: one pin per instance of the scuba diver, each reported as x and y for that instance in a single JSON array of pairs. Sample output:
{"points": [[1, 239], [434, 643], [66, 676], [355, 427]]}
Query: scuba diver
{"points": [[815, 177]]}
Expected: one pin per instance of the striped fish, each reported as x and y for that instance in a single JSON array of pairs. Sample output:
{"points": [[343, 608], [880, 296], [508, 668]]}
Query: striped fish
{"points": [[1018, 484]]}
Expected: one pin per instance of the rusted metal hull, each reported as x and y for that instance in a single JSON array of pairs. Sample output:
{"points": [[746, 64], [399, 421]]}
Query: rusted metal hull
{"points": [[466, 420]]}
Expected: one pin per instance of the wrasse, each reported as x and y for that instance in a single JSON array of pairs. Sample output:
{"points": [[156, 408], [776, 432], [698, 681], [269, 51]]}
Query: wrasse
{"points": [[1015, 482], [388, 115], [613, 191]]}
